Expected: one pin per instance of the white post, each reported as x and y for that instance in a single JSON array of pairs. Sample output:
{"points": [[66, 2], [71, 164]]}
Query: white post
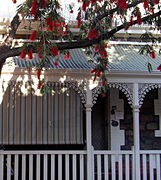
{"points": [[90, 158], [136, 131]]}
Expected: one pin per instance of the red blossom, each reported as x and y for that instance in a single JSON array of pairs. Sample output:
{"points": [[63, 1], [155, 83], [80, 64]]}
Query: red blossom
{"points": [[93, 1], [55, 51], [96, 48], [33, 35], [97, 73], [122, 4], [38, 73], [43, 3], [71, 11], [146, 4], [56, 64], [103, 83], [14, 1], [39, 85], [23, 54], [139, 20], [131, 21], [103, 52], [34, 7], [152, 54], [156, 1], [159, 67], [93, 34], [67, 56], [30, 55], [78, 23]]}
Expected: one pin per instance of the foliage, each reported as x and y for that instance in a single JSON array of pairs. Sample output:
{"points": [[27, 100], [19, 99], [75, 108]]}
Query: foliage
{"points": [[97, 21]]}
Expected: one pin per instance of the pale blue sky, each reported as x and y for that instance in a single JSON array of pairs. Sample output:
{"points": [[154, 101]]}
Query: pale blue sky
{"points": [[7, 8]]}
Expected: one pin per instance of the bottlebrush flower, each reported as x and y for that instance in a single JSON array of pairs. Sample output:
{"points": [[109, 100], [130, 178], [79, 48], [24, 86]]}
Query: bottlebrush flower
{"points": [[38, 73], [131, 21], [23, 54], [39, 85], [139, 20], [97, 73], [34, 7], [159, 67], [146, 4], [122, 4], [96, 49], [33, 35], [78, 23], [103, 83], [67, 56], [30, 55], [103, 52], [56, 64], [14, 1], [93, 34], [55, 51], [152, 54], [156, 1]]}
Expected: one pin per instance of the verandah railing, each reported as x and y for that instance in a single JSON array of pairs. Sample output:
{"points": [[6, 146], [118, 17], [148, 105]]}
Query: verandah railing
{"points": [[72, 165], [42, 165]]}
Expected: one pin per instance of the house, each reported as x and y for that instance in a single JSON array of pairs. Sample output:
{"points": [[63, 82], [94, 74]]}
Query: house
{"points": [[72, 132]]}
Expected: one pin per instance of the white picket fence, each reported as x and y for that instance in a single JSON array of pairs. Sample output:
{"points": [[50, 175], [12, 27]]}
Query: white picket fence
{"points": [[72, 165]]}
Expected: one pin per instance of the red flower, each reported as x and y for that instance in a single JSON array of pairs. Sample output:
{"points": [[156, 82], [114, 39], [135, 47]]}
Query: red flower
{"points": [[131, 21], [93, 34], [78, 23], [139, 20], [34, 7], [93, 1], [152, 54], [103, 83], [159, 67], [14, 1], [96, 48], [67, 56], [122, 4], [33, 35], [39, 85], [23, 54], [156, 1], [38, 73], [71, 11], [55, 51], [43, 3], [56, 64], [103, 52], [146, 4], [30, 56]]}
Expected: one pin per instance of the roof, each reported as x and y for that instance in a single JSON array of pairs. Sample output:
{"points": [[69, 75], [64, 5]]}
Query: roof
{"points": [[121, 58]]}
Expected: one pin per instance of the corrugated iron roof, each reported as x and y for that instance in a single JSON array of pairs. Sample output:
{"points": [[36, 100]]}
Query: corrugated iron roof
{"points": [[121, 57]]}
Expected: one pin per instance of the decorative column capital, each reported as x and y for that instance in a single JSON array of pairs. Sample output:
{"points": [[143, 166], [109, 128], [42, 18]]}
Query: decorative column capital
{"points": [[136, 107], [88, 107]]}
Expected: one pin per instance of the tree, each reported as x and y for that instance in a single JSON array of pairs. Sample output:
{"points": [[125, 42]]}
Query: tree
{"points": [[97, 21]]}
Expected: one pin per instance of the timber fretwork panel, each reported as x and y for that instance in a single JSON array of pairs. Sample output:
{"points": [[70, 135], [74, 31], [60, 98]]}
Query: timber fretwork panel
{"points": [[149, 123]]}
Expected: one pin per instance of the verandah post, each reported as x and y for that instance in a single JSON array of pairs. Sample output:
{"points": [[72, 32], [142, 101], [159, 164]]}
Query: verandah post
{"points": [[90, 155], [136, 132]]}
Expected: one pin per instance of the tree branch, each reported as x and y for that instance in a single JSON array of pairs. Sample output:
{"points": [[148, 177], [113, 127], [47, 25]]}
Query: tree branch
{"points": [[105, 36], [109, 12]]}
